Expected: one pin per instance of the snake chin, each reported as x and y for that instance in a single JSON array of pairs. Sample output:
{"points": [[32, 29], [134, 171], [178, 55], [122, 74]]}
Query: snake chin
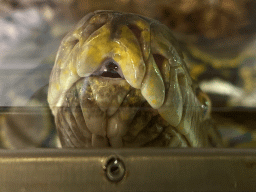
{"points": [[100, 112]]}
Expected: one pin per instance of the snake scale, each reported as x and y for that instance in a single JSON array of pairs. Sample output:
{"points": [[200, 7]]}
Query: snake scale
{"points": [[119, 80]]}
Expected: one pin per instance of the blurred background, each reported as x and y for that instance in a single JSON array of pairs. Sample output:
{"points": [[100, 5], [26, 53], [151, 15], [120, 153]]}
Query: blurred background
{"points": [[217, 36]]}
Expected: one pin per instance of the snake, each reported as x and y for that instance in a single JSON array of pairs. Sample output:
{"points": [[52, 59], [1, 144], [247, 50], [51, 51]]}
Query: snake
{"points": [[120, 80]]}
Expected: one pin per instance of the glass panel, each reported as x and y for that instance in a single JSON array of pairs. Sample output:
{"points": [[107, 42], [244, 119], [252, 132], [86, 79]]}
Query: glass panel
{"points": [[217, 39]]}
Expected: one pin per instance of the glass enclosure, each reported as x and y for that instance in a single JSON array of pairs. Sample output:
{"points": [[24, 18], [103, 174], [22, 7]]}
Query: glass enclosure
{"points": [[216, 37], [188, 69]]}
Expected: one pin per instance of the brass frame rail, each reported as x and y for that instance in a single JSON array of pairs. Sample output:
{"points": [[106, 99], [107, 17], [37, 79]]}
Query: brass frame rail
{"points": [[138, 170]]}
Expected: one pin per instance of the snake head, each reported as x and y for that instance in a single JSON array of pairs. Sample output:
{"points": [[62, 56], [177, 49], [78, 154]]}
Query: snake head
{"points": [[119, 80]]}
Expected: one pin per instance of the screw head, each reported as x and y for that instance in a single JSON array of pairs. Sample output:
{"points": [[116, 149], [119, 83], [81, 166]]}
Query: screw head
{"points": [[115, 169]]}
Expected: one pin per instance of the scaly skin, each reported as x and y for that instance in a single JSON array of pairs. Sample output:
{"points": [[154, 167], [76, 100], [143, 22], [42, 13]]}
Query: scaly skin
{"points": [[147, 98]]}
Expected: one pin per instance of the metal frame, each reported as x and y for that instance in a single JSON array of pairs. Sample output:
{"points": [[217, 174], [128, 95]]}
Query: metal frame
{"points": [[144, 170]]}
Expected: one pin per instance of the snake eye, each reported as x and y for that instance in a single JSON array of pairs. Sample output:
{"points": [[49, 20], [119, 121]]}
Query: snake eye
{"points": [[204, 100]]}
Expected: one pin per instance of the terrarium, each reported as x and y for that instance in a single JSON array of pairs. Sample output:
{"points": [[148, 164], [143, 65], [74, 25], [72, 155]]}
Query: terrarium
{"points": [[128, 95]]}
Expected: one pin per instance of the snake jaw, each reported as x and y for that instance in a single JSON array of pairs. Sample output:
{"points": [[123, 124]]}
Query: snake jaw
{"points": [[108, 93], [153, 88], [172, 108]]}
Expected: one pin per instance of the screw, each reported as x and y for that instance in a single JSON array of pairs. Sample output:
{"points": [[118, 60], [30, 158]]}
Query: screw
{"points": [[115, 169]]}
